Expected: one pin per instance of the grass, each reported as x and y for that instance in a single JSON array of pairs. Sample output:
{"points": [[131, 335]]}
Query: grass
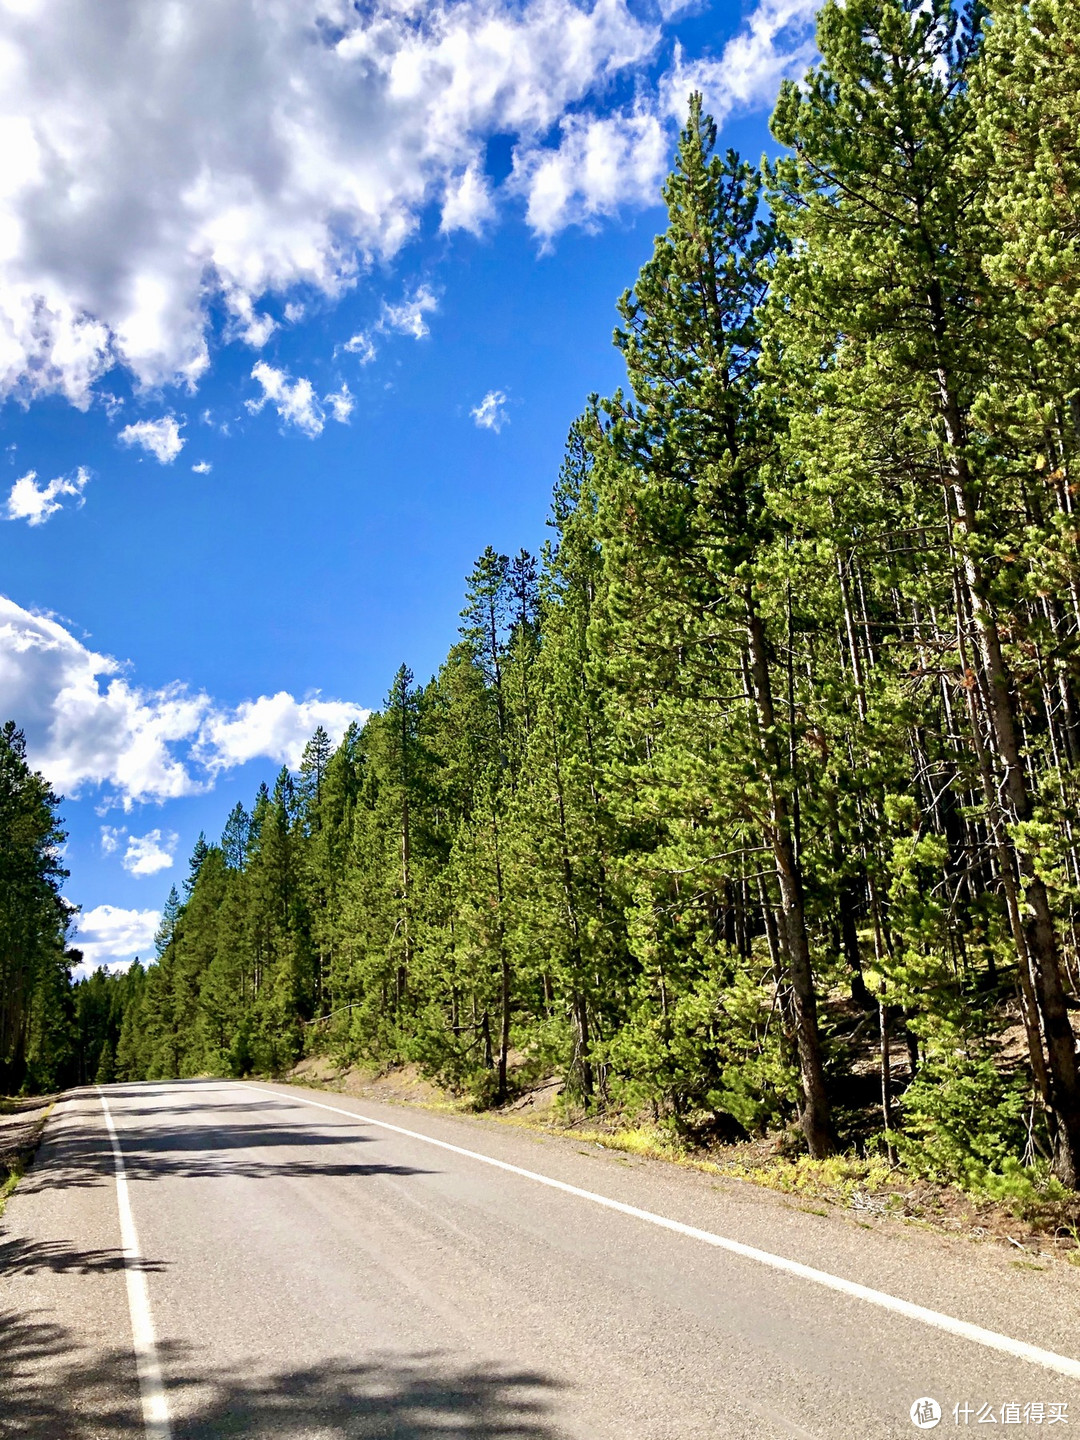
{"points": [[13, 1177], [842, 1179]]}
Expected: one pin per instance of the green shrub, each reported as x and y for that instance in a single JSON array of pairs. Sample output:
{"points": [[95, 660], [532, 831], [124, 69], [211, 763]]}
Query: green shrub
{"points": [[964, 1123]]}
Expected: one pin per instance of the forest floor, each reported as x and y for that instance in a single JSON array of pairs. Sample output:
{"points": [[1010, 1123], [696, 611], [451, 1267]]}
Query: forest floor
{"points": [[22, 1120], [847, 1184]]}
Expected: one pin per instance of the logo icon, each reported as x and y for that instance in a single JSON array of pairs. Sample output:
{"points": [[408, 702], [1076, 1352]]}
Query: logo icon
{"points": [[925, 1413]]}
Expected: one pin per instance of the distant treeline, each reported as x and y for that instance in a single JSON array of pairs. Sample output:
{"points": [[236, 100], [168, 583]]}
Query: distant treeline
{"points": [[752, 802]]}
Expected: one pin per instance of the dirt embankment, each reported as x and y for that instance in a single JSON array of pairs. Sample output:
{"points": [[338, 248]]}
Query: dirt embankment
{"points": [[21, 1123]]}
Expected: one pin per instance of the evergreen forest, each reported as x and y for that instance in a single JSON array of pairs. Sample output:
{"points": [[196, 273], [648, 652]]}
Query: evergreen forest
{"points": [[749, 805]]}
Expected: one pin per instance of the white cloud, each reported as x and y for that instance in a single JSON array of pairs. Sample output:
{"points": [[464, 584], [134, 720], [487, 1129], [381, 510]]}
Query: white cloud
{"points": [[202, 467], [276, 726], [88, 725], [160, 438], [491, 414], [467, 202], [408, 317], [340, 403], [109, 934], [361, 346], [245, 323], [603, 162], [776, 41], [84, 722], [149, 853], [296, 402], [159, 161], [144, 854], [164, 164], [35, 503], [599, 165]]}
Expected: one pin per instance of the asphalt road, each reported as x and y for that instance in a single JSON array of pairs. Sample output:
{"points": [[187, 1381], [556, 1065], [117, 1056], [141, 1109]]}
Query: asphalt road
{"points": [[311, 1274]]}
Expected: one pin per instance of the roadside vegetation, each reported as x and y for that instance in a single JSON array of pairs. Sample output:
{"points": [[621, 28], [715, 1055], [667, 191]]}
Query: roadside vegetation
{"points": [[21, 1124], [748, 808]]}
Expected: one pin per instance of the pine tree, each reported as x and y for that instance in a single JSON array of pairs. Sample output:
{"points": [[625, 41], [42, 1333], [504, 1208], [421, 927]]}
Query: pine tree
{"points": [[167, 925], [106, 1069], [198, 855], [691, 538], [565, 917], [34, 919], [236, 837], [888, 223]]}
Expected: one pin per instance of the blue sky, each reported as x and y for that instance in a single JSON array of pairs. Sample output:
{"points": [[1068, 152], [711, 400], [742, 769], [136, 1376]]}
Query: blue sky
{"points": [[297, 304]]}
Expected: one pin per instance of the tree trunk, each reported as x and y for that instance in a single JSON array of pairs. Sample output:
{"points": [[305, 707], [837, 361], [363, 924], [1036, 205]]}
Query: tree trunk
{"points": [[886, 1074], [582, 1059], [1038, 924], [814, 1116]]}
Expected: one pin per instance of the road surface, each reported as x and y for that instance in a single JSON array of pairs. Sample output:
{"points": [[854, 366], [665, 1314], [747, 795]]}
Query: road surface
{"points": [[291, 1270]]}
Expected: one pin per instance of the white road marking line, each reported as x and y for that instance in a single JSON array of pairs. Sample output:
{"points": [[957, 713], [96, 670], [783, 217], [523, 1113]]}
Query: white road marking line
{"points": [[155, 1407], [1020, 1349]]}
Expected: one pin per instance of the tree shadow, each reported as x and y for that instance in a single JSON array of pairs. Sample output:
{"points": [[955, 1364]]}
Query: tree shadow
{"points": [[410, 1397], [245, 1097], [29, 1257], [110, 1091], [49, 1389], [203, 1153], [80, 1155]]}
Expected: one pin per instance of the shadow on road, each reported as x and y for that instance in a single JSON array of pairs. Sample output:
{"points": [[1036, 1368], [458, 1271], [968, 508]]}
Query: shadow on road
{"points": [[20, 1256], [47, 1390], [78, 1154]]}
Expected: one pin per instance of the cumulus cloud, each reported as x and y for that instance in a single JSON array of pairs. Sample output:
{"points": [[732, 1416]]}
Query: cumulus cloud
{"points": [[202, 467], [245, 323], [149, 853], [165, 165], [776, 41], [88, 725], [296, 401], [404, 318], [160, 438], [407, 318], [145, 854], [274, 725], [84, 721], [599, 165], [467, 203], [603, 162], [108, 935], [34, 503], [491, 414]]}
